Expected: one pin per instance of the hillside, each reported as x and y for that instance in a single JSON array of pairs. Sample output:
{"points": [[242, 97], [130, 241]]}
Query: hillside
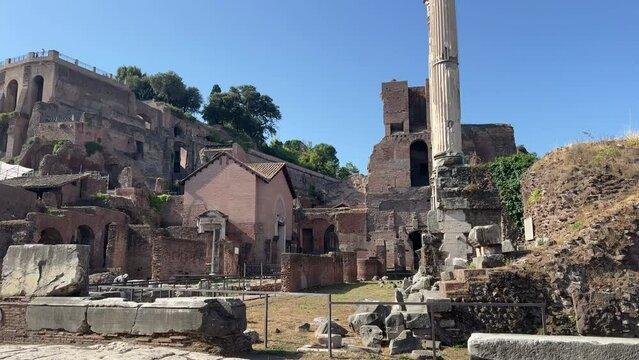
{"points": [[584, 201]]}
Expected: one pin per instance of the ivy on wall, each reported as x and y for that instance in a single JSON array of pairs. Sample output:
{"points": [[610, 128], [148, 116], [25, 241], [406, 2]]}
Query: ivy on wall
{"points": [[506, 172]]}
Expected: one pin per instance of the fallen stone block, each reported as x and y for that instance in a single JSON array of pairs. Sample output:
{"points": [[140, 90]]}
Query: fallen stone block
{"points": [[394, 325], [252, 336], [421, 354], [335, 329], [417, 320], [45, 270], [489, 261], [405, 343], [210, 317], [379, 309], [371, 335], [336, 340], [111, 315], [484, 236], [356, 321], [306, 327], [537, 347], [58, 313], [507, 247]]}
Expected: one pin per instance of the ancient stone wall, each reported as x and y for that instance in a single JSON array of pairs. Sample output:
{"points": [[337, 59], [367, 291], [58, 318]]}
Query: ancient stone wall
{"points": [[302, 271], [181, 251], [486, 142], [16, 203]]}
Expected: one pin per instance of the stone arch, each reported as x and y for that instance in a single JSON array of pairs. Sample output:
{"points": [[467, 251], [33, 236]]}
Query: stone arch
{"points": [[84, 235], [415, 239], [419, 171], [177, 131], [50, 236], [11, 96], [331, 241]]}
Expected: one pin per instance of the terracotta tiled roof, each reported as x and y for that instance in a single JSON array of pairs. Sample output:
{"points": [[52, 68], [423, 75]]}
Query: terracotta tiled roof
{"points": [[266, 170], [43, 182]]}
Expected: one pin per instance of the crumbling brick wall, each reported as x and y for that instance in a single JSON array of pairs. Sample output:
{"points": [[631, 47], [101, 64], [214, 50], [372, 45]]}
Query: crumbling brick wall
{"points": [[301, 271]]}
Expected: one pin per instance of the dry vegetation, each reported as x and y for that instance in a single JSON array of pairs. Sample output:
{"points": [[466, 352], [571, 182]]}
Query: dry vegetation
{"points": [[287, 312]]}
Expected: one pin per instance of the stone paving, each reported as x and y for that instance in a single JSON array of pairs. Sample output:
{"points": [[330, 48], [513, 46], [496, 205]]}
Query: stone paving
{"points": [[111, 351]]}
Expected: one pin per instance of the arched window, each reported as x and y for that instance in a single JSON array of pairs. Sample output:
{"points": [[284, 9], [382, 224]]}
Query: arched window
{"points": [[11, 97], [331, 242], [419, 173], [38, 88], [50, 236]]}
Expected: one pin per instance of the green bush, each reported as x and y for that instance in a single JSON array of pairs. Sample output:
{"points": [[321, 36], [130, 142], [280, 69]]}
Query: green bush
{"points": [[158, 202], [535, 197], [506, 173], [606, 154], [57, 145], [92, 147]]}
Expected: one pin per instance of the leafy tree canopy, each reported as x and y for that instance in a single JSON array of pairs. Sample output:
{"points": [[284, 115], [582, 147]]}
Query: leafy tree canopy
{"points": [[321, 157], [245, 109], [168, 87]]}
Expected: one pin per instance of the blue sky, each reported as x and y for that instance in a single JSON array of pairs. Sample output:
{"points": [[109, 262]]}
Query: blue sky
{"points": [[552, 68]]}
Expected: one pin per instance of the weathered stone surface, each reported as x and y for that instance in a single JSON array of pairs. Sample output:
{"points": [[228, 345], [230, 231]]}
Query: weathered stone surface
{"points": [[421, 354], [336, 340], [252, 336], [489, 261], [484, 236], [57, 313], [215, 317], [525, 347], [356, 321], [459, 263], [381, 310], [115, 350], [45, 270], [399, 298], [405, 343], [394, 325], [417, 320], [111, 315], [507, 246], [371, 335], [335, 329]]}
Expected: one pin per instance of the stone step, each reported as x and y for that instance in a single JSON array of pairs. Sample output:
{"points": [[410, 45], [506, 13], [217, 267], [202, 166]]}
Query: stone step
{"points": [[446, 287], [469, 274]]}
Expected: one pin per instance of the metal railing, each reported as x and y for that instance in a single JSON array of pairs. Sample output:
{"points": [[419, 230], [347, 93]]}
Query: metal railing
{"points": [[431, 306]]}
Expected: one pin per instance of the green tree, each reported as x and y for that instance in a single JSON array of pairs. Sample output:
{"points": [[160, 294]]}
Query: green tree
{"points": [[245, 109], [347, 170], [170, 88], [137, 81]]}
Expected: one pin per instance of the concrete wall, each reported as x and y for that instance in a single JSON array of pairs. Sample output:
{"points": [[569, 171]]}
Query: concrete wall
{"points": [[301, 271]]}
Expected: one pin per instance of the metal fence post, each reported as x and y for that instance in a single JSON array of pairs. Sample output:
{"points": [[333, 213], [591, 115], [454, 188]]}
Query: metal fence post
{"points": [[261, 273], [330, 323], [429, 309], [266, 321], [543, 319]]}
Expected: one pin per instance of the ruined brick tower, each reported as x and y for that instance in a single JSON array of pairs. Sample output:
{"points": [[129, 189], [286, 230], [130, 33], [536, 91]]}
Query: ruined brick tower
{"points": [[450, 172]]}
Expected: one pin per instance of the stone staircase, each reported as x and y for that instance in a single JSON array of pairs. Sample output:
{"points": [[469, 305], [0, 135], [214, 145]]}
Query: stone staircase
{"points": [[456, 283]]}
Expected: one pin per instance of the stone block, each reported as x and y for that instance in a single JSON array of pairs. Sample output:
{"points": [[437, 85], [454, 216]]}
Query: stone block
{"points": [[395, 324], [356, 321], [489, 261], [484, 236], [468, 274], [525, 347], [111, 315], [379, 309], [45, 270], [252, 336], [421, 354], [405, 343], [529, 230], [336, 340], [57, 313], [212, 317], [507, 246], [371, 335], [437, 302], [336, 328], [419, 320]]}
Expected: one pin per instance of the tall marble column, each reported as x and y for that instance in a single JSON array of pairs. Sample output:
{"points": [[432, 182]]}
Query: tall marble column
{"points": [[447, 219], [445, 105]]}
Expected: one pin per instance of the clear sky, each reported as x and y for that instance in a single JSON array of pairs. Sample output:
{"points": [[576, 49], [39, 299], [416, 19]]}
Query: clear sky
{"points": [[552, 68]]}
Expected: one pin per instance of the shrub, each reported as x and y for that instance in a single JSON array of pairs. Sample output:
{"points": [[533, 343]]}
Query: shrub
{"points": [[535, 197], [506, 173], [606, 153], [92, 147], [158, 202], [57, 145]]}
